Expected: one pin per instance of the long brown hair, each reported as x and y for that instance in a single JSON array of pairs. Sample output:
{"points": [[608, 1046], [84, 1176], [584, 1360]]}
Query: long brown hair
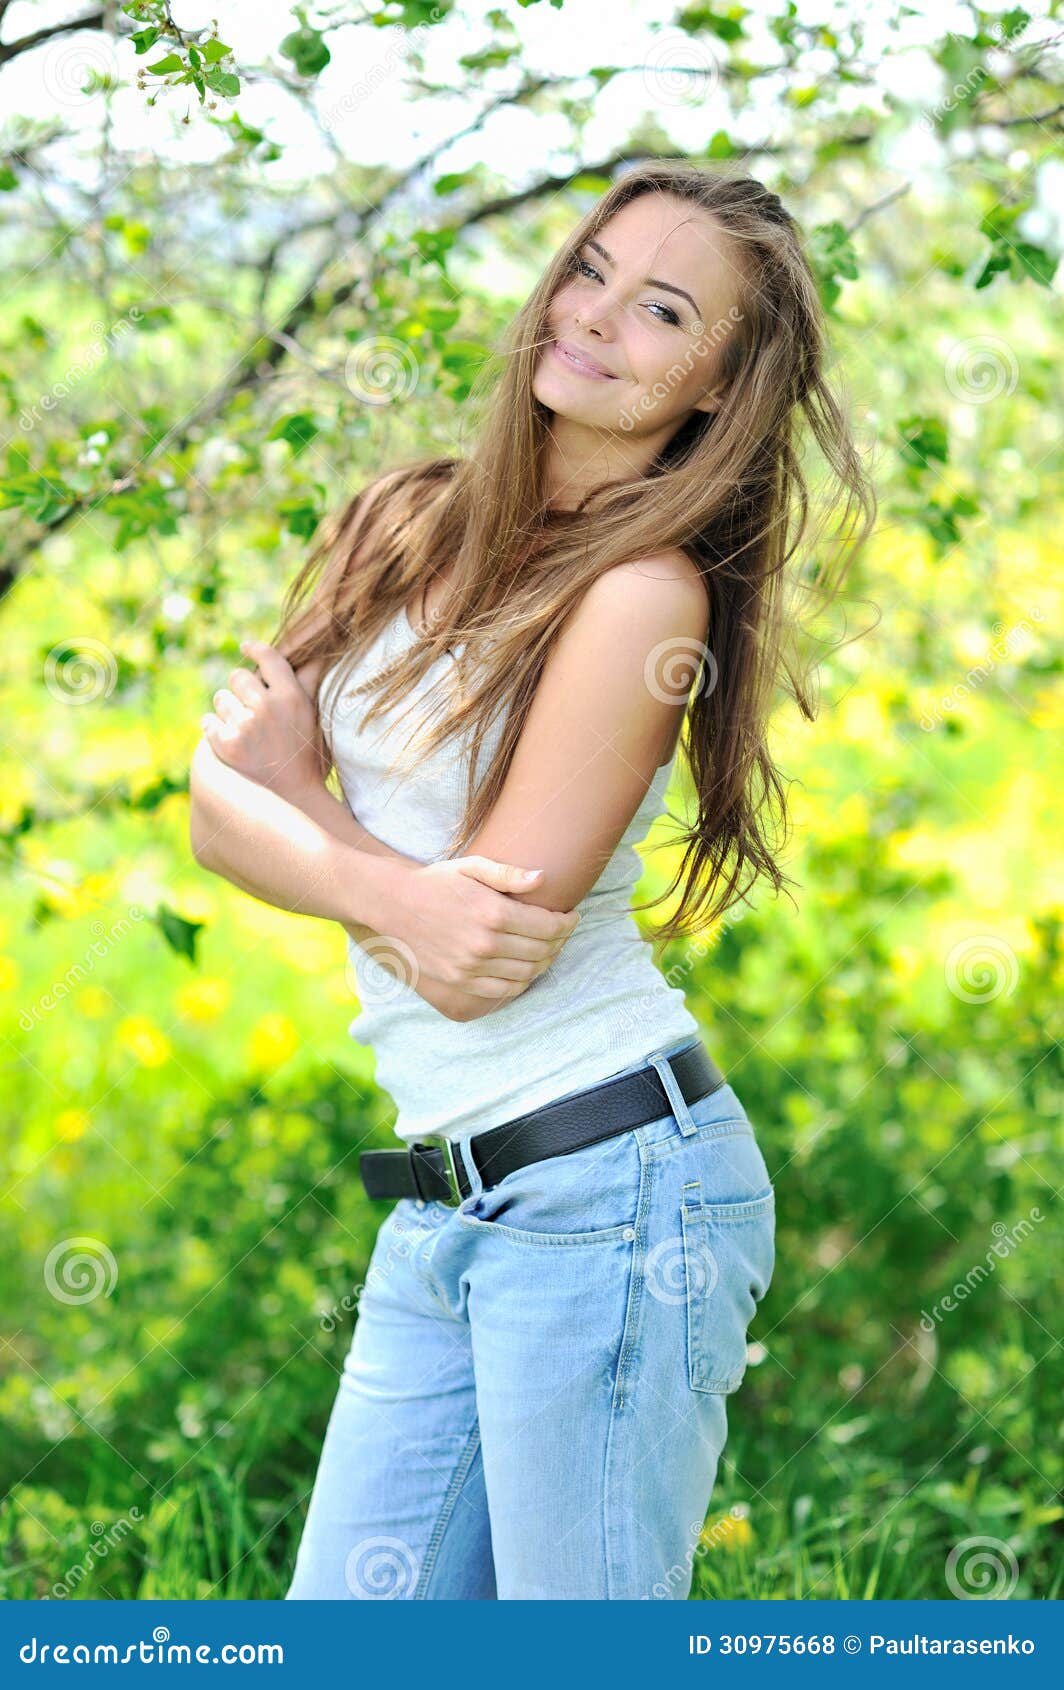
{"points": [[726, 489]]}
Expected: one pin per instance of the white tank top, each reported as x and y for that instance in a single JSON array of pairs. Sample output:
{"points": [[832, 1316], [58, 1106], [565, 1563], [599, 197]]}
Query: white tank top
{"points": [[602, 1005]]}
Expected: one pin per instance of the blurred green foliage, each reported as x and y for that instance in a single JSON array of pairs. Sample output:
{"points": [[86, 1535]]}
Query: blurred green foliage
{"points": [[183, 1234]]}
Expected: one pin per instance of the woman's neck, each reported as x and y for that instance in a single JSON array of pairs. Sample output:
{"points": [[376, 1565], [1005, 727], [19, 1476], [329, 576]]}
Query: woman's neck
{"points": [[579, 459]]}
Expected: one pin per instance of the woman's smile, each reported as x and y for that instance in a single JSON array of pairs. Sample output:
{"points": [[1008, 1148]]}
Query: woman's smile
{"points": [[573, 359]]}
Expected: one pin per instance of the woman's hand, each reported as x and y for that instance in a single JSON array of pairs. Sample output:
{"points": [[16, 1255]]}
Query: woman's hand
{"points": [[455, 937], [266, 725]]}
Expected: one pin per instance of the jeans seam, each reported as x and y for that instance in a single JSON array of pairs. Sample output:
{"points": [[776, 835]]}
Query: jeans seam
{"points": [[625, 1351], [458, 1479]]}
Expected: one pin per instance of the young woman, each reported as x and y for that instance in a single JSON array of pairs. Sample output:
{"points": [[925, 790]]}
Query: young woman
{"points": [[499, 655]]}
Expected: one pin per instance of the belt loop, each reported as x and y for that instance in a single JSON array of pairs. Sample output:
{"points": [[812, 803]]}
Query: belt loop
{"points": [[472, 1171], [684, 1119]]}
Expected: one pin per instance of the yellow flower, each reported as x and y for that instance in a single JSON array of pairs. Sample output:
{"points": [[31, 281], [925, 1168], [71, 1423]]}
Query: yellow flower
{"points": [[92, 1001], [204, 999], [1046, 713], [273, 1040], [907, 962], [144, 1040], [729, 1531], [73, 1123]]}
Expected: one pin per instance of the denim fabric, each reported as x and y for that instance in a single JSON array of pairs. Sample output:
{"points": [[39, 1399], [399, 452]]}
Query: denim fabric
{"points": [[534, 1400]]}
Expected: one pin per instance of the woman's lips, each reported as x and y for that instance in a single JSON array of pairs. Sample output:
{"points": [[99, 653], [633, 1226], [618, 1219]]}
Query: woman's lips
{"points": [[573, 361]]}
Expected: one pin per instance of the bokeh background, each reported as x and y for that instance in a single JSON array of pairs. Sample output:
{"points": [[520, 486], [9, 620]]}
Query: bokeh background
{"points": [[244, 268]]}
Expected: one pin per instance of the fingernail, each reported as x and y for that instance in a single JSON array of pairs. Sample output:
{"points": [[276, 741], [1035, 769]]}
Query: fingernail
{"points": [[530, 873]]}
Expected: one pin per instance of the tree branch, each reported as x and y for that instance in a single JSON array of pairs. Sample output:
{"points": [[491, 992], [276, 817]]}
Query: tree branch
{"points": [[11, 49]]}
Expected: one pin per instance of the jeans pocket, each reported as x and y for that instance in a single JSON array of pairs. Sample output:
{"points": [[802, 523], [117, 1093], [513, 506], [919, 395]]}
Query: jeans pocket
{"points": [[588, 1196], [729, 1256]]}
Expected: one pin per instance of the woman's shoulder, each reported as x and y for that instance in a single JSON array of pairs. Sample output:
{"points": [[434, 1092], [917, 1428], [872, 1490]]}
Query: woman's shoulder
{"points": [[663, 587]]}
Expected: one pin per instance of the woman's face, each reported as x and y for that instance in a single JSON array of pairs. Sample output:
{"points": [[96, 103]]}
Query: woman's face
{"points": [[653, 300]]}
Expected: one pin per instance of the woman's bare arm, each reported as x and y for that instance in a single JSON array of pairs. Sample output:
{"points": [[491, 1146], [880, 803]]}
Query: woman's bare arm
{"points": [[305, 851], [281, 853]]}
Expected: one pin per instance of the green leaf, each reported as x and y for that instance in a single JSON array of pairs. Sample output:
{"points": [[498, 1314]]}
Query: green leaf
{"points": [[923, 438], [1033, 261], [163, 67], [42, 497], [8, 179], [1001, 219], [831, 255], [307, 50], [213, 50], [299, 429], [997, 259], [144, 40], [489, 58], [452, 181], [696, 19], [439, 317], [301, 517], [179, 933], [223, 82]]}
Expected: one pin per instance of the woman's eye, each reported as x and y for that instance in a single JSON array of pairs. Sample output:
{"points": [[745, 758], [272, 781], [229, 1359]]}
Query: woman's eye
{"points": [[583, 268]]}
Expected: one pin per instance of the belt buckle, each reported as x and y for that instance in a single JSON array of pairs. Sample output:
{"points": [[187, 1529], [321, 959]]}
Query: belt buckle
{"points": [[450, 1167]]}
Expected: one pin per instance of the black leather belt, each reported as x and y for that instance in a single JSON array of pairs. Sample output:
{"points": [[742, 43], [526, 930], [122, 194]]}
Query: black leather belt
{"points": [[431, 1170]]}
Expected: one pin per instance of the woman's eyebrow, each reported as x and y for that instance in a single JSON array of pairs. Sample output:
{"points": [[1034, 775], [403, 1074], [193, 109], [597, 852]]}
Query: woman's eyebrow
{"points": [[651, 281]]}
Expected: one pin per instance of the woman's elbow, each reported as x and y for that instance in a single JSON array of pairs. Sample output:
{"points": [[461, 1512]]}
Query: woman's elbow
{"points": [[201, 826], [199, 836]]}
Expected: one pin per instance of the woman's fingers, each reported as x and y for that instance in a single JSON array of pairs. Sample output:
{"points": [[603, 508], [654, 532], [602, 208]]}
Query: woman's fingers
{"points": [[220, 736], [247, 687], [229, 707], [275, 670]]}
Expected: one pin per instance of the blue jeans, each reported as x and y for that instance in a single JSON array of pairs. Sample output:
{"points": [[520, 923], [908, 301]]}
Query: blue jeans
{"points": [[533, 1403]]}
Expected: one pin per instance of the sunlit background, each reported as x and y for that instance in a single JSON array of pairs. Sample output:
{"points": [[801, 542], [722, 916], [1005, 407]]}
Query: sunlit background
{"points": [[210, 333]]}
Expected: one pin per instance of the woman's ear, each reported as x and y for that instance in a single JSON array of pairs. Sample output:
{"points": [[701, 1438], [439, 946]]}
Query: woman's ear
{"points": [[713, 400]]}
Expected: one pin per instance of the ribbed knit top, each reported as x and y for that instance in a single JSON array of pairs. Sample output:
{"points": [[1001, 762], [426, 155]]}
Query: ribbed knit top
{"points": [[601, 1006]]}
